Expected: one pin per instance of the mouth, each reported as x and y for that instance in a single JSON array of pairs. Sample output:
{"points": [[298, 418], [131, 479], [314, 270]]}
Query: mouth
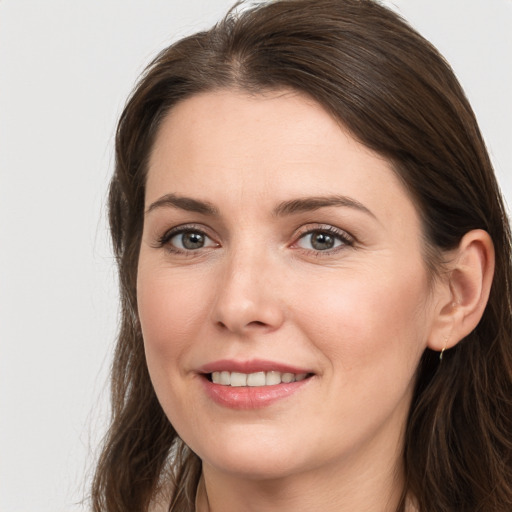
{"points": [[255, 379], [252, 384]]}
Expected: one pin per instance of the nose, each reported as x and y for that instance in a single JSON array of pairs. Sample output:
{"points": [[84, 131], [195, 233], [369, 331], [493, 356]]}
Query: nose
{"points": [[249, 298]]}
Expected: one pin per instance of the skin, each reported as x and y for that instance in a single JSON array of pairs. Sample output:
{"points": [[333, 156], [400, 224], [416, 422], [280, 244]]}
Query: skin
{"points": [[358, 315]]}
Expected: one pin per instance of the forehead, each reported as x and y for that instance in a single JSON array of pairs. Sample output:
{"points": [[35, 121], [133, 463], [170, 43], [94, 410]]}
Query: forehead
{"points": [[224, 145]]}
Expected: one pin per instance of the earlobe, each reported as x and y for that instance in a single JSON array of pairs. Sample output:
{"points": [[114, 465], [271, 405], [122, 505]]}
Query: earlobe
{"points": [[467, 288]]}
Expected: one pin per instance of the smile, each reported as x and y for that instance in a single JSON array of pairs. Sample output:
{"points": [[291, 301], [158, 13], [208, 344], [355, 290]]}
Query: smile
{"points": [[252, 384], [270, 378]]}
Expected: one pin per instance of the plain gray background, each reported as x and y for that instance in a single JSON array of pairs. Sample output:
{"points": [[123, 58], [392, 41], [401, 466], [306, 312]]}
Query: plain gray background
{"points": [[66, 68]]}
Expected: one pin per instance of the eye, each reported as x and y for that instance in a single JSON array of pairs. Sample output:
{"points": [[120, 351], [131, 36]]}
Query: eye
{"points": [[190, 240], [323, 239], [186, 239]]}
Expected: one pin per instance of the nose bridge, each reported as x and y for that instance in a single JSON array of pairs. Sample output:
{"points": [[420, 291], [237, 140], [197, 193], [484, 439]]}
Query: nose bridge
{"points": [[248, 290]]}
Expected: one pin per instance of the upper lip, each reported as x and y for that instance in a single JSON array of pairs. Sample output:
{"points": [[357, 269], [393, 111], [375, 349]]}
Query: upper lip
{"points": [[251, 366]]}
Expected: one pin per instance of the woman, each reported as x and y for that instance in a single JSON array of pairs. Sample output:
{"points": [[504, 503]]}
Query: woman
{"points": [[315, 274]]}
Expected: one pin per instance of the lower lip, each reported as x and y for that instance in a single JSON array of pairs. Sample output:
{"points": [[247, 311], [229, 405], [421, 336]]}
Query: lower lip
{"points": [[248, 397]]}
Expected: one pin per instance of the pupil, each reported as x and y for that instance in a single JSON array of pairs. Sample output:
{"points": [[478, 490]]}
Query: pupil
{"points": [[322, 241], [192, 240]]}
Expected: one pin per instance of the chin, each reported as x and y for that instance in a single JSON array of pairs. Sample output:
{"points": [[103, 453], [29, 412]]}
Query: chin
{"points": [[254, 468], [253, 457]]}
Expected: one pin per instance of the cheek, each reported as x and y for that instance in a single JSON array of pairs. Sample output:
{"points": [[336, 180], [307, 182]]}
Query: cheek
{"points": [[171, 311], [370, 326], [371, 334]]}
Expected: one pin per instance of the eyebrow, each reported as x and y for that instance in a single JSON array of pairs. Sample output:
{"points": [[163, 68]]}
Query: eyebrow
{"points": [[294, 206], [183, 203], [307, 204]]}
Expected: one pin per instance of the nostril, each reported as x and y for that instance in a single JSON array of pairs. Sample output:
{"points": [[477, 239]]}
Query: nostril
{"points": [[255, 323]]}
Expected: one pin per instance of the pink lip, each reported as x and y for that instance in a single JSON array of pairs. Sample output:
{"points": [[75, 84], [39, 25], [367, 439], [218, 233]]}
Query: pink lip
{"points": [[252, 366], [249, 397]]}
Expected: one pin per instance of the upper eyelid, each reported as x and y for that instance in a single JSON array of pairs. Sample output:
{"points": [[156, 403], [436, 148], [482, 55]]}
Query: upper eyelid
{"points": [[183, 228], [312, 227]]}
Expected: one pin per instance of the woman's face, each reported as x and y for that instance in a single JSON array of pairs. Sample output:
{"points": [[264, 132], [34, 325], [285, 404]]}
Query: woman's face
{"points": [[282, 293]]}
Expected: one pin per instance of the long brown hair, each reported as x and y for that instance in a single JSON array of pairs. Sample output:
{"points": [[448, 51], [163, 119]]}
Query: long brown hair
{"points": [[394, 92]]}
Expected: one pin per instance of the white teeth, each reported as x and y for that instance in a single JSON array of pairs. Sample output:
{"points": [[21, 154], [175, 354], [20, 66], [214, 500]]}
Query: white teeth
{"points": [[225, 378], [256, 379], [287, 377], [272, 378], [238, 379]]}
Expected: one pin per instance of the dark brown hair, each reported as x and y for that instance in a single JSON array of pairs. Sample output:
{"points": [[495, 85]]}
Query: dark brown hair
{"points": [[394, 92]]}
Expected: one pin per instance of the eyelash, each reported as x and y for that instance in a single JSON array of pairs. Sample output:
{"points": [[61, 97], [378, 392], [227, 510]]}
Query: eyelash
{"points": [[341, 236], [163, 241], [338, 234]]}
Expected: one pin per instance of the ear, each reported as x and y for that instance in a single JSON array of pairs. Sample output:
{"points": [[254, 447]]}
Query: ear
{"points": [[462, 295]]}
